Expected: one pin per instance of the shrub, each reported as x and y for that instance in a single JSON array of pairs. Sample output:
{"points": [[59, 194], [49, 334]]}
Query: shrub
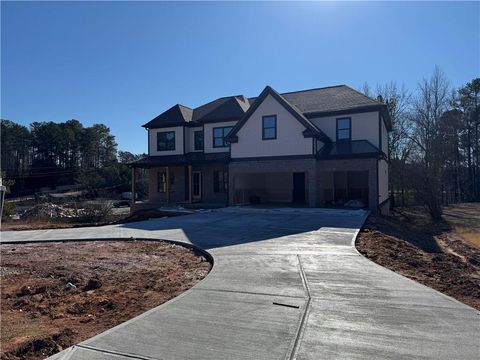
{"points": [[96, 211]]}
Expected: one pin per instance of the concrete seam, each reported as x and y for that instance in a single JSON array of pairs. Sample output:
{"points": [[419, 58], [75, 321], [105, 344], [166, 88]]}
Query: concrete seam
{"points": [[131, 356], [303, 320], [249, 293]]}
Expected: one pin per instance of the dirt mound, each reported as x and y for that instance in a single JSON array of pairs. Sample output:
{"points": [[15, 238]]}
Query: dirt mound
{"points": [[41, 346]]}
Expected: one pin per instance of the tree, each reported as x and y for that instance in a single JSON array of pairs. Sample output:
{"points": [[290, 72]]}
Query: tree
{"points": [[15, 150], [468, 103], [430, 104]]}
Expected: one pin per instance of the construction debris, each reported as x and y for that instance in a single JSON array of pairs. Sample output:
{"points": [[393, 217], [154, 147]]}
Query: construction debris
{"points": [[50, 211]]}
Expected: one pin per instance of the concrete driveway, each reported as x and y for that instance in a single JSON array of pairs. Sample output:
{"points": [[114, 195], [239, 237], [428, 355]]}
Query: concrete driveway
{"points": [[286, 284]]}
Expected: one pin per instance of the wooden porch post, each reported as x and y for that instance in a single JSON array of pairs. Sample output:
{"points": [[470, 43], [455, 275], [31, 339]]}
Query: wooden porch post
{"points": [[190, 188], [167, 184], [133, 186]]}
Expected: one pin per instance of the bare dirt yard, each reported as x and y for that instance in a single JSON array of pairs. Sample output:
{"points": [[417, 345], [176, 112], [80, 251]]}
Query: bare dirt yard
{"points": [[444, 256], [54, 295], [42, 223]]}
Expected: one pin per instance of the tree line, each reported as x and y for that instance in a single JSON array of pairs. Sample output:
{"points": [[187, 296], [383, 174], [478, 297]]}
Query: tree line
{"points": [[49, 154], [434, 148]]}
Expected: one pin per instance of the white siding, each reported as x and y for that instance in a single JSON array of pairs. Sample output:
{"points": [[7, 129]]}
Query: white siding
{"points": [[152, 133], [289, 141], [190, 139], [208, 136], [384, 138], [382, 181], [364, 126]]}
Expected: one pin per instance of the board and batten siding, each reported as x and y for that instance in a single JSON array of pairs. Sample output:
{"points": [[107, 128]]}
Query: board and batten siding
{"points": [[382, 181], [289, 141], [364, 126], [152, 133], [208, 136]]}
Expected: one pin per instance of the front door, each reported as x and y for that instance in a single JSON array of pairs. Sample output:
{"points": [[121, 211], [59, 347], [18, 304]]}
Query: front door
{"points": [[299, 187], [197, 185]]}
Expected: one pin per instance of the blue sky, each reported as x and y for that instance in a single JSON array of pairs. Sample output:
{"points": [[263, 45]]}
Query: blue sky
{"points": [[123, 63]]}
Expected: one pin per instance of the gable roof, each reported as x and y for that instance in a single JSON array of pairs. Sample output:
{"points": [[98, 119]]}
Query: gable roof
{"points": [[310, 129], [334, 99], [306, 104]]}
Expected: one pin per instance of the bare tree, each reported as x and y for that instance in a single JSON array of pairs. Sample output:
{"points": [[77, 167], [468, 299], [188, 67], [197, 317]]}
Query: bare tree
{"points": [[430, 104]]}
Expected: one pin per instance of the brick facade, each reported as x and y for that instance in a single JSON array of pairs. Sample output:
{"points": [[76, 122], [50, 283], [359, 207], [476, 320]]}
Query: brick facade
{"points": [[271, 166], [315, 171], [370, 165]]}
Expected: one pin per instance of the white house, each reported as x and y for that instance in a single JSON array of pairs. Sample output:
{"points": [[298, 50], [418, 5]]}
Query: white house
{"points": [[317, 147]]}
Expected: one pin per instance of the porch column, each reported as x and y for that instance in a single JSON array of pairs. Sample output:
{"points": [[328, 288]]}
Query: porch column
{"points": [[134, 178], [167, 184], [190, 187]]}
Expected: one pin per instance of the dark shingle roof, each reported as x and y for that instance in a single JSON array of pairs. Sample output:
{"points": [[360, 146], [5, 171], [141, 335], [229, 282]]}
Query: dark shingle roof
{"points": [[359, 148], [231, 107], [309, 103], [176, 115], [332, 98]]}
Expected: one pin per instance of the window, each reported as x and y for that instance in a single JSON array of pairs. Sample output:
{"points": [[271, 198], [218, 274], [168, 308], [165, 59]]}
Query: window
{"points": [[162, 182], [344, 131], [198, 139], [166, 141], [269, 127], [220, 181], [219, 135]]}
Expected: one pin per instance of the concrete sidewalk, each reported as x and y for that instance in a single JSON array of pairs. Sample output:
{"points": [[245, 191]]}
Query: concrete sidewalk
{"points": [[285, 285]]}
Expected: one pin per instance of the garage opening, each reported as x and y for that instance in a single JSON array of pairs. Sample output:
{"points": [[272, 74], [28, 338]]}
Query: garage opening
{"points": [[346, 188], [270, 188]]}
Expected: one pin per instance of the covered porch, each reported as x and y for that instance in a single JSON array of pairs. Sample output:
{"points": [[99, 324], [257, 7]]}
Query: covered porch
{"points": [[186, 180]]}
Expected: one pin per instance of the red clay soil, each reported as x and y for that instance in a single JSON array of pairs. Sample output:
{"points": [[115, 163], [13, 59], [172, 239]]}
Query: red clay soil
{"points": [[432, 254], [57, 294]]}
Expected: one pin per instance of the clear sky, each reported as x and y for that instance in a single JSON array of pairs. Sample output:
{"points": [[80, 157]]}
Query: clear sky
{"points": [[123, 63]]}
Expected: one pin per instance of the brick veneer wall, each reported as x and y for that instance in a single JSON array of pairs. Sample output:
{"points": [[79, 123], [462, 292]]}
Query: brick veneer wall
{"points": [[271, 166], [369, 165]]}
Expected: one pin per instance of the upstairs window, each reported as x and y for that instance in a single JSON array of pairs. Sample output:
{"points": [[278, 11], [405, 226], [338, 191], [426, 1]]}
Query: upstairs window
{"points": [[198, 139], [166, 141], [219, 135], [269, 127], [344, 129]]}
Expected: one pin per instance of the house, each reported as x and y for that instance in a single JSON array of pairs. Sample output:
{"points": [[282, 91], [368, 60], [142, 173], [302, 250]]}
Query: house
{"points": [[317, 147]]}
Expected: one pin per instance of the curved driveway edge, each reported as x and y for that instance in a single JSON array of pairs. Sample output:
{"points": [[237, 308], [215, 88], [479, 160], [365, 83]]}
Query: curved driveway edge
{"points": [[286, 284]]}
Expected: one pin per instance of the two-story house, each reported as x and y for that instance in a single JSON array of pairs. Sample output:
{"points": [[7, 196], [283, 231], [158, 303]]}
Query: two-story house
{"points": [[318, 147]]}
